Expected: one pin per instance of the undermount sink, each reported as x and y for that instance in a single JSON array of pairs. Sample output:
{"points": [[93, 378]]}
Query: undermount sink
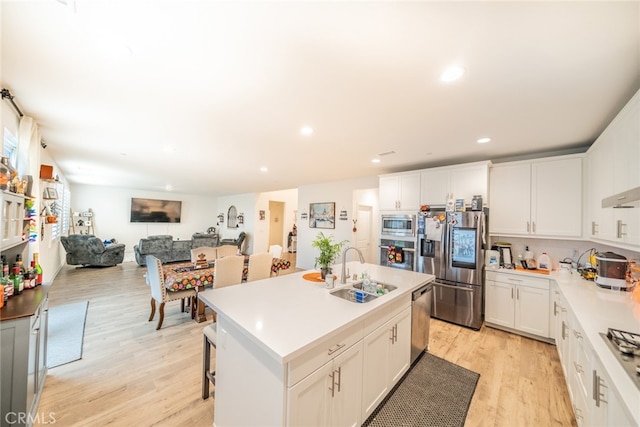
{"points": [[389, 288], [349, 294]]}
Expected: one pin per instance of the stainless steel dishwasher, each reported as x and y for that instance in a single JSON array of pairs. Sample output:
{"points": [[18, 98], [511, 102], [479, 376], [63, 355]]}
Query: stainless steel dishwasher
{"points": [[420, 320]]}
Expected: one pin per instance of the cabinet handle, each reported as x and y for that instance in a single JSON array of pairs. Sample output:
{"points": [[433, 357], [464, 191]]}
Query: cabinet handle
{"points": [[339, 371], [555, 308], [528, 227], [511, 293], [533, 226], [594, 228], [391, 337], [395, 333], [518, 293], [332, 375], [619, 225], [335, 348], [577, 334], [564, 328], [598, 396]]}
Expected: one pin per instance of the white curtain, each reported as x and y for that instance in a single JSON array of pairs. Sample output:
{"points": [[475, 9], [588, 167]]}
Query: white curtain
{"points": [[28, 163]]}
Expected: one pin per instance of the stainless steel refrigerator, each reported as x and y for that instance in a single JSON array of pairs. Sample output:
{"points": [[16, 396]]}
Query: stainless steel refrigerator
{"points": [[451, 247]]}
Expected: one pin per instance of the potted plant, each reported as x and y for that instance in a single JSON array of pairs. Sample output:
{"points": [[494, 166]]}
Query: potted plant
{"points": [[329, 252]]}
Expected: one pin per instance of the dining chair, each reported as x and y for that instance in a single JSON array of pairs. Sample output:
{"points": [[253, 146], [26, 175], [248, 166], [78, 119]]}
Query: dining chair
{"points": [[226, 250], [159, 293], [210, 254], [259, 266], [228, 271], [276, 251], [210, 334]]}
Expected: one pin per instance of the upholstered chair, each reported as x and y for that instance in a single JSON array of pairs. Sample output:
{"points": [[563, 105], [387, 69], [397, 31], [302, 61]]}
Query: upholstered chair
{"points": [[276, 251], [210, 254], [88, 250], [159, 292], [259, 266], [226, 250], [228, 271]]}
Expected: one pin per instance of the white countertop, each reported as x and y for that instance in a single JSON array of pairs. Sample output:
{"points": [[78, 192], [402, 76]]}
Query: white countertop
{"points": [[597, 309], [286, 315]]}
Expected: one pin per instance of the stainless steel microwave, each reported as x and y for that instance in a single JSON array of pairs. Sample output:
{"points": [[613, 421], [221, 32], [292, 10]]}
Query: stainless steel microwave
{"points": [[398, 225]]}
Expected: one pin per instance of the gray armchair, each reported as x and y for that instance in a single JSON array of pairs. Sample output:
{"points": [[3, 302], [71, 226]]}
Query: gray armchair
{"points": [[87, 249]]}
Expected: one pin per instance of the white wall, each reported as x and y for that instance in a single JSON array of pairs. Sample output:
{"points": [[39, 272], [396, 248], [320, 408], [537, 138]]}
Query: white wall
{"points": [[261, 229], [342, 193], [111, 207], [245, 204]]}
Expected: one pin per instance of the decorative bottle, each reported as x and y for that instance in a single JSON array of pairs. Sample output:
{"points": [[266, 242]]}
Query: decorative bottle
{"points": [[16, 278], [38, 269]]}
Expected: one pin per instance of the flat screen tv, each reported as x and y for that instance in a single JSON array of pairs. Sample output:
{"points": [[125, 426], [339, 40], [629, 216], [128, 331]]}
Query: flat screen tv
{"points": [[152, 210]]}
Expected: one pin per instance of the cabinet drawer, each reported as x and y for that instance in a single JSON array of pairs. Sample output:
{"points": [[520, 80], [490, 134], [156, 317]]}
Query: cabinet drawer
{"points": [[518, 280], [326, 350]]}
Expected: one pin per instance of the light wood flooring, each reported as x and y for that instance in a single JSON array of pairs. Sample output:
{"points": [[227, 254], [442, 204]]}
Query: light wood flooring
{"points": [[132, 375]]}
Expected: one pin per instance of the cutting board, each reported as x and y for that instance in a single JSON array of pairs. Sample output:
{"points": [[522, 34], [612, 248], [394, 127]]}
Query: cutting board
{"points": [[533, 271]]}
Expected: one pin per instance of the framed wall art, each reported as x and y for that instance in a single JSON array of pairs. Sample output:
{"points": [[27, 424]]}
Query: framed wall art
{"points": [[322, 215]]}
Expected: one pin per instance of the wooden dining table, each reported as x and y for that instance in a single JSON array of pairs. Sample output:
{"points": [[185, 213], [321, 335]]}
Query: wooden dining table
{"points": [[185, 275]]}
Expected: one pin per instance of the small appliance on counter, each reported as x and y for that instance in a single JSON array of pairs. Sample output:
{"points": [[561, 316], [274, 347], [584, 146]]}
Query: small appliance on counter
{"points": [[504, 249], [611, 271]]}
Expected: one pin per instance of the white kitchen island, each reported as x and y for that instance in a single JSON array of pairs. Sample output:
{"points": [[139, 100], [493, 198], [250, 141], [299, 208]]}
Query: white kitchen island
{"points": [[289, 353]]}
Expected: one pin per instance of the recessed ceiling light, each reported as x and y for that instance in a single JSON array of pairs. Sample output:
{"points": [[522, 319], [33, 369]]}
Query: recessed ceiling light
{"points": [[483, 140], [263, 169], [451, 74], [306, 130], [375, 161], [168, 187]]}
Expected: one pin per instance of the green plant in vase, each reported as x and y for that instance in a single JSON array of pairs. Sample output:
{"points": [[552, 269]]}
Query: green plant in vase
{"points": [[329, 252]]}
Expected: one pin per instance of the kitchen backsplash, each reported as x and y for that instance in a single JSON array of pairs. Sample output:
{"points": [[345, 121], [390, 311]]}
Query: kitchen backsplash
{"points": [[560, 249]]}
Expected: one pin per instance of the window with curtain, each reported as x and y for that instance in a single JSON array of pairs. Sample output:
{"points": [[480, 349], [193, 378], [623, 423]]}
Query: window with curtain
{"points": [[10, 147], [60, 208]]}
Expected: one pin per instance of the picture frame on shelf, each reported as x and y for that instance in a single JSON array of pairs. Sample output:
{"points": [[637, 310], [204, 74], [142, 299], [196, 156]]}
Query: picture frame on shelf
{"points": [[322, 215], [51, 193]]}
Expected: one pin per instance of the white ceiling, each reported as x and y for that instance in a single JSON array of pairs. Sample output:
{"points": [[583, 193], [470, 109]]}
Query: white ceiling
{"points": [[200, 94]]}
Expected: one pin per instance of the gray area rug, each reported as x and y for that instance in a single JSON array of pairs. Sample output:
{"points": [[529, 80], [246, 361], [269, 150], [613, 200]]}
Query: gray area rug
{"points": [[66, 333], [433, 393]]}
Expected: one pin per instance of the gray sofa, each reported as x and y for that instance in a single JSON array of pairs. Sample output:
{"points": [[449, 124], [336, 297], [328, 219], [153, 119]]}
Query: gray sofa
{"points": [[167, 250], [88, 250]]}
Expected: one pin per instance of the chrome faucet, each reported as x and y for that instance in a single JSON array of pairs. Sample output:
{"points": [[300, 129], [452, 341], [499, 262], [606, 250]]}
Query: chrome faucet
{"points": [[343, 277]]}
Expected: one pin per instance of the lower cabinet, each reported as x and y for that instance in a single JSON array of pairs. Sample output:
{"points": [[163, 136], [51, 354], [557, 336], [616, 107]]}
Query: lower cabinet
{"points": [[332, 394], [23, 370], [593, 397], [387, 353], [517, 303]]}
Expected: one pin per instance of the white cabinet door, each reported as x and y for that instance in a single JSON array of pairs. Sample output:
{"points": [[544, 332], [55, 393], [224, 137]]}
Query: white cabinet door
{"points": [[388, 192], [331, 395], [510, 196], [409, 197], [467, 182], [600, 225], [626, 129], [399, 192], [607, 408], [499, 306], [532, 310], [309, 401], [434, 186], [386, 357], [400, 347], [375, 363], [556, 197], [347, 388]]}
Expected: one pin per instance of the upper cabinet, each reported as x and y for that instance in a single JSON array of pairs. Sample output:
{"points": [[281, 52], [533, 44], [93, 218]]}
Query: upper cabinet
{"points": [[13, 220], [463, 181], [612, 168], [538, 198], [400, 192]]}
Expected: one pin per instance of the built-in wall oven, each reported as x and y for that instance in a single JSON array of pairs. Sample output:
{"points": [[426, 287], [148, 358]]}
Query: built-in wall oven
{"points": [[398, 241]]}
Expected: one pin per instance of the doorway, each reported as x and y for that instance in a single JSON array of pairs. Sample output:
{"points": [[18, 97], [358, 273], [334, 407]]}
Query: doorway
{"points": [[364, 216], [276, 223]]}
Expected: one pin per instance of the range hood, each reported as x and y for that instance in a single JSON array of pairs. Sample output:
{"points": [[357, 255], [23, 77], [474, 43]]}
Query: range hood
{"points": [[626, 199]]}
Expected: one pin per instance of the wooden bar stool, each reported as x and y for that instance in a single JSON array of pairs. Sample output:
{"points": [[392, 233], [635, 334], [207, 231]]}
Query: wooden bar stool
{"points": [[208, 375]]}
